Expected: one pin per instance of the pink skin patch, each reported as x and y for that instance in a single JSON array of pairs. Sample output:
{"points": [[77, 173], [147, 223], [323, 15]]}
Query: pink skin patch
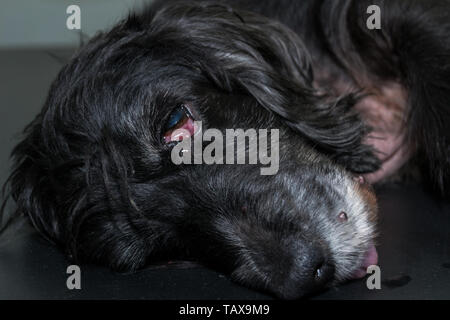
{"points": [[384, 111], [394, 155], [370, 259]]}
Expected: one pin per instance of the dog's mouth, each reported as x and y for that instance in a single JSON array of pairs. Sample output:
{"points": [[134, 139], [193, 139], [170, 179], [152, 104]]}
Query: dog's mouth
{"points": [[180, 125], [370, 258]]}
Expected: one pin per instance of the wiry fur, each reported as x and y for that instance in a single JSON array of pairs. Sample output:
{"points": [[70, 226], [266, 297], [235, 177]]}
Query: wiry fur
{"points": [[94, 175]]}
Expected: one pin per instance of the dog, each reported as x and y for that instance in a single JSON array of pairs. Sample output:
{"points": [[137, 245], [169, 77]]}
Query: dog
{"points": [[353, 106]]}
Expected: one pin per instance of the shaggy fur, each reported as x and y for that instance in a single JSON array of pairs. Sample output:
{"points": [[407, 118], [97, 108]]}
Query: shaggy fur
{"points": [[94, 175]]}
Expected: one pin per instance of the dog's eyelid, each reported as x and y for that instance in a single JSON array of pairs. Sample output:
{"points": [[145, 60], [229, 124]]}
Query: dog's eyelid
{"points": [[180, 124]]}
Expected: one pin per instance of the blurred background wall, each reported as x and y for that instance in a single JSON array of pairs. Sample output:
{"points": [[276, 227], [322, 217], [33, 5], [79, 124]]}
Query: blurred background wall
{"points": [[42, 23], [34, 44]]}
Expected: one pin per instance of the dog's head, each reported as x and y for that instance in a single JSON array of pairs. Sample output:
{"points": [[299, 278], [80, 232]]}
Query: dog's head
{"points": [[95, 174]]}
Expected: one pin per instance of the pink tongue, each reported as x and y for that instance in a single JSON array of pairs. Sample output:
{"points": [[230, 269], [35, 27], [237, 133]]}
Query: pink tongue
{"points": [[371, 258]]}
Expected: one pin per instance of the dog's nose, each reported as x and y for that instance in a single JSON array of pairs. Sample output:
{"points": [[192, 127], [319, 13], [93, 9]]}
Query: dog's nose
{"points": [[310, 273]]}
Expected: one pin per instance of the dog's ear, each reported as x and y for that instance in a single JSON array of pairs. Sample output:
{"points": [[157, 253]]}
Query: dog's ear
{"points": [[84, 202], [277, 73], [269, 61], [330, 125]]}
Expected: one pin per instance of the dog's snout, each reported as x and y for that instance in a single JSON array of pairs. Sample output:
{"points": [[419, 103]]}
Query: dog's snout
{"points": [[311, 272]]}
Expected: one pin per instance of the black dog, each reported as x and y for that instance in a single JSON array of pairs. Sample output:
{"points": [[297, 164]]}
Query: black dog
{"points": [[94, 172]]}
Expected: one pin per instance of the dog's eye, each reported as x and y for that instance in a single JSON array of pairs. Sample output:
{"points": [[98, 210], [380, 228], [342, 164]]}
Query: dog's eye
{"points": [[179, 125]]}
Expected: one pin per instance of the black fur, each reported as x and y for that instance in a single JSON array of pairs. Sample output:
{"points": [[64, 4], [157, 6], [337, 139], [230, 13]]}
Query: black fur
{"points": [[94, 174]]}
